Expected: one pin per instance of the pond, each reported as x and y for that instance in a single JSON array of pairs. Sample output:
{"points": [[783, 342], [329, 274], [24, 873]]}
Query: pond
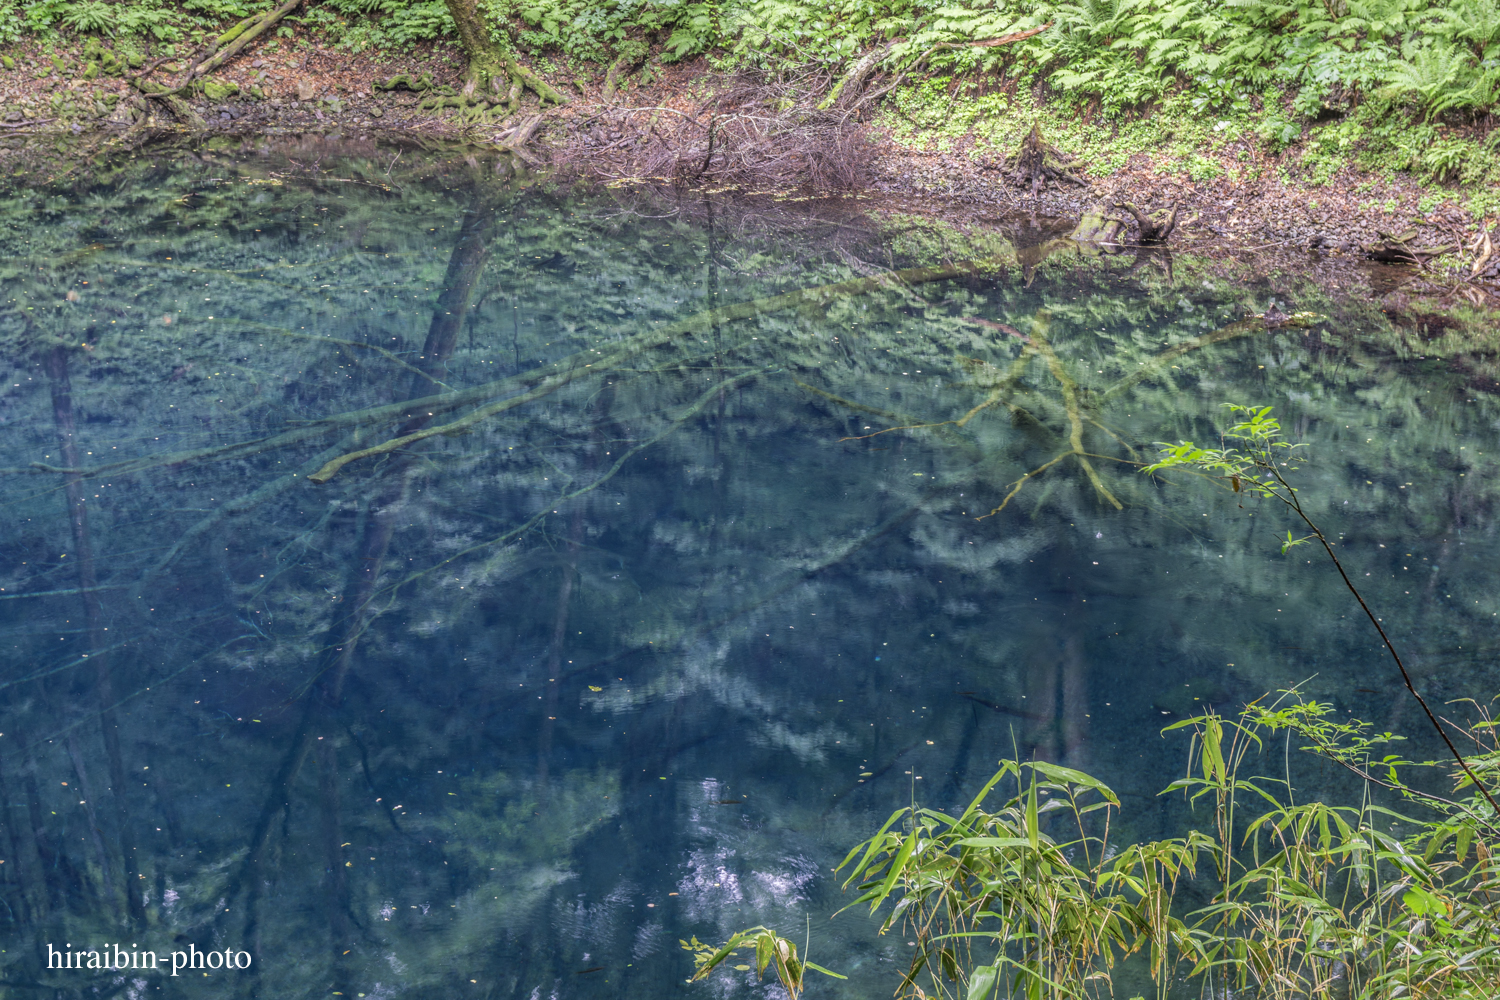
{"points": [[428, 579]]}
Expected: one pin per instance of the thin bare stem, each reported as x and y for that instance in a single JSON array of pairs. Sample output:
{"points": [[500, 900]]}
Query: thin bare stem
{"points": [[1290, 499]]}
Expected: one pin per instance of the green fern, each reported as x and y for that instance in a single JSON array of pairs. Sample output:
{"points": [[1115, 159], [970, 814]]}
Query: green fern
{"points": [[1476, 21], [1446, 160], [89, 15], [1437, 73], [1100, 20]]}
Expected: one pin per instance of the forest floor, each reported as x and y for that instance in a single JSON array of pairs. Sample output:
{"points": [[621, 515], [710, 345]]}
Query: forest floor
{"points": [[687, 125]]}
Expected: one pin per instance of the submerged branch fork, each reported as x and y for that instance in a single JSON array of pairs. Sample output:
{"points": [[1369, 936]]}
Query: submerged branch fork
{"points": [[1075, 422]]}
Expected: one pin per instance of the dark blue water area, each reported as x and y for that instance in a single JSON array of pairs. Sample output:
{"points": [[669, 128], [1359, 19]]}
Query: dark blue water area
{"points": [[436, 581]]}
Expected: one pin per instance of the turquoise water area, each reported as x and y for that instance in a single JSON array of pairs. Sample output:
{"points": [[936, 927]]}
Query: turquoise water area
{"points": [[431, 580]]}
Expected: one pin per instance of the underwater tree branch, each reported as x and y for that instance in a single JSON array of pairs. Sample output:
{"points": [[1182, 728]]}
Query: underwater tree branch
{"points": [[1070, 401], [1236, 329], [694, 408], [575, 368], [997, 395], [1022, 482]]}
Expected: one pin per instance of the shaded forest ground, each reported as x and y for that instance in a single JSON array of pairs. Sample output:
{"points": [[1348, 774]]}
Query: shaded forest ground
{"points": [[950, 141]]}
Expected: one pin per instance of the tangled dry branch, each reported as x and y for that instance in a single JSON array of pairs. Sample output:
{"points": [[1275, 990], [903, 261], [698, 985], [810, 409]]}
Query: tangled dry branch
{"points": [[755, 132]]}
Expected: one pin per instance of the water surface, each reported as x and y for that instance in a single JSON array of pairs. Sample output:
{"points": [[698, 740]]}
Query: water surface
{"points": [[625, 621]]}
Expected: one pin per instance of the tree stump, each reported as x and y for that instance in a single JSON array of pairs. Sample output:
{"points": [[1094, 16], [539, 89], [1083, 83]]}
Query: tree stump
{"points": [[1039, 161], [1153, 228]]}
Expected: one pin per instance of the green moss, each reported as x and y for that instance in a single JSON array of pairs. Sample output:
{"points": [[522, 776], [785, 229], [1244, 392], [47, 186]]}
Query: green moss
{"points": [[217, 90]]}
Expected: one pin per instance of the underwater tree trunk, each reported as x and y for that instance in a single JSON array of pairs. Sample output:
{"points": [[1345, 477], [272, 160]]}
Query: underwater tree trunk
{"points": [[494, 75], [63, 418], [336, 884], [21, 824], [325, 697]]}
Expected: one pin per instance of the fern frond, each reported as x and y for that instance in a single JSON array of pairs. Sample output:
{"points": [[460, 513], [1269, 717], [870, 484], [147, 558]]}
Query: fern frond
{"points": [[1477, 21], [1437, 73]]}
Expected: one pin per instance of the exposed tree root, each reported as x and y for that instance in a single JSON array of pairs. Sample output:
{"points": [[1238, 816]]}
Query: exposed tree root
{"points": [[179, 109], [1098, 227], [498, 80], [1397, 249], [1038, 162], [631, 52], [518, 137], [1153, 228], [406, 81]]}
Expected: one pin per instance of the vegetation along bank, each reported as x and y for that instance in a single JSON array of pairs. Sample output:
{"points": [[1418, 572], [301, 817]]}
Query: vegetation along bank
{"points": [[1352, 126]]}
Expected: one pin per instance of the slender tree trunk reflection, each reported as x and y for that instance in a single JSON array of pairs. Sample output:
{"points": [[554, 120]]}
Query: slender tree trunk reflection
{"points": [[21, 826], [63, 419], [592, 458], [324, 698], [335, 884], [1057, 693]]}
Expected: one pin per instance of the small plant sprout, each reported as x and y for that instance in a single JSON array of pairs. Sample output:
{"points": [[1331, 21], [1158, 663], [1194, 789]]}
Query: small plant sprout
{"points": [[771, 951]]}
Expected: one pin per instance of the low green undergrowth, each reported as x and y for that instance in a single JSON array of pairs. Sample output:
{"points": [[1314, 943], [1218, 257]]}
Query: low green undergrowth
{"points": [[1380, 85], [1437, 55]]}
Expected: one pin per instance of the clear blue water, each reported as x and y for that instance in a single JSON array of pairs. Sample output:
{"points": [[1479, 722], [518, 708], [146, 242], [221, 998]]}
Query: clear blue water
{"points": [[644, 623]]}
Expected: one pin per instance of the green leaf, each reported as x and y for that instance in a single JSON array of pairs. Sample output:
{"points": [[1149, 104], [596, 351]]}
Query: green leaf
{"points": [[895, 873], [1070, 776], [827, 972], [873, 844], [1006, 767], [1032, 833], [996, 842], [982, 981]]}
